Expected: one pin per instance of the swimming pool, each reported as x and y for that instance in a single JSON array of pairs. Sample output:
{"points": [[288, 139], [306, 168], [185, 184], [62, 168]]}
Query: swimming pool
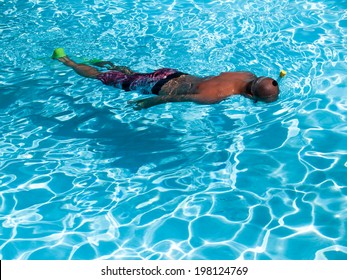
{"points": [[83, 176]]}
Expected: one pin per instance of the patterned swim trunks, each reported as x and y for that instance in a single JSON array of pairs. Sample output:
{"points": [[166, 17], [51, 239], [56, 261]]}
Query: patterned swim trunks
{"points": [[144, 83]]}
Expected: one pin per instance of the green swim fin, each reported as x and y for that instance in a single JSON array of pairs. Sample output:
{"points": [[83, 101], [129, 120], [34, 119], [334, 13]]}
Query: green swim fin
{"points": [[58, 53]]}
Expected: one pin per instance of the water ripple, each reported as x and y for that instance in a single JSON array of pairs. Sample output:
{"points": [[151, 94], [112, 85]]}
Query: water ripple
{"points": [[83, 176]]}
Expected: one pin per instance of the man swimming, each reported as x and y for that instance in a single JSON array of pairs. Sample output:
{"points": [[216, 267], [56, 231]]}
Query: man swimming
{"points": [[170, 85]]}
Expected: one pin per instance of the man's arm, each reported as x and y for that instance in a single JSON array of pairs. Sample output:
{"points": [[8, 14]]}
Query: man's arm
{"points": [[157, 100]]}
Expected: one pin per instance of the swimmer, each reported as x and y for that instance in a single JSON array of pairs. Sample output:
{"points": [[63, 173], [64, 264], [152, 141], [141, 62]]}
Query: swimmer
{"points": [[171, 85]]}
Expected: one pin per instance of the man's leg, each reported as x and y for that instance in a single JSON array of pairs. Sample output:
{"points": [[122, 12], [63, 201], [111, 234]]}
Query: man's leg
{"points": [[86, 70], [124, 69], [81, 69]]}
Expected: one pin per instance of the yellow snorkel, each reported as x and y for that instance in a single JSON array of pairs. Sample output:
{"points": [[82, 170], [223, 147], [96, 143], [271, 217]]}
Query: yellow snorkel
{"points": [[282, 74]]}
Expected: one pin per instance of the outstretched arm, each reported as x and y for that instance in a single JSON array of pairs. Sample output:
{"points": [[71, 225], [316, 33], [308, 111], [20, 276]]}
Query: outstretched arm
{"points": [[157, 100]]}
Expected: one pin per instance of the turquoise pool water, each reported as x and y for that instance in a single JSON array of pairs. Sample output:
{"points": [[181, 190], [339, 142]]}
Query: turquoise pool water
{"points": [[83, 176]]}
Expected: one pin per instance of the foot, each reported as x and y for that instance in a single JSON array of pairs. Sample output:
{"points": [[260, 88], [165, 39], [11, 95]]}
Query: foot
{"points": [[106, 64], [67, 61]]}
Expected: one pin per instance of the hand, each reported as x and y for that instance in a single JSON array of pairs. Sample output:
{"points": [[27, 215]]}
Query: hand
{"points": [[141, 104], [157, 100]]}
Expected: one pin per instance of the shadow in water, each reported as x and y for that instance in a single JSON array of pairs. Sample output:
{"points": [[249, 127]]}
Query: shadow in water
{"points": [[108, 138]]}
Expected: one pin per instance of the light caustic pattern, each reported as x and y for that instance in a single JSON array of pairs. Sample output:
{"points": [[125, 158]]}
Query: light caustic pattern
{"points": [[83, 176]]}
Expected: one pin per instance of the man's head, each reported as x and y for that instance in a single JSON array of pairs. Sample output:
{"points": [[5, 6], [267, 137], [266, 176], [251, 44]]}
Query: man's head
{"points": [[264, 89]]}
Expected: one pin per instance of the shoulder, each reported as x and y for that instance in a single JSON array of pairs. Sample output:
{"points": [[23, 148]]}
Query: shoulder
{"points": [[248, 73], [237, 75]]}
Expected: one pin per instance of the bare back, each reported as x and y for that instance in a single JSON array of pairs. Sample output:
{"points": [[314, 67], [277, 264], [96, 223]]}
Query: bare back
{"points": [[211, 89]]}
